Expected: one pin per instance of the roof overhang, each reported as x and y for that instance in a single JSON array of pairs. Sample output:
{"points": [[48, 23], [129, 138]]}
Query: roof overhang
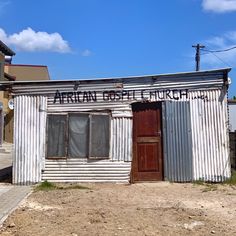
{"points": [[6, 50]]}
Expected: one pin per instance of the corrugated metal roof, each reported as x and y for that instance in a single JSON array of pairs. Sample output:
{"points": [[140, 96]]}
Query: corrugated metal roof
{"points": [[186, 75]]}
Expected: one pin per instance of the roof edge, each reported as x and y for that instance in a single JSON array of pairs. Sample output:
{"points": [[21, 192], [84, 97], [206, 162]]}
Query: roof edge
{"points": [[227, 70], [24, 65]]}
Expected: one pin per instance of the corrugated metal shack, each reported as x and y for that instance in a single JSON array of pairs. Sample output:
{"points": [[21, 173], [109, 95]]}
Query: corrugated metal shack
{"points": [[160, 127]]}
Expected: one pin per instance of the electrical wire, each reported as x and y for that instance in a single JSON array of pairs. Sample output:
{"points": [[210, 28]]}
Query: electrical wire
{"points": [[223, 50], [219, 58]]}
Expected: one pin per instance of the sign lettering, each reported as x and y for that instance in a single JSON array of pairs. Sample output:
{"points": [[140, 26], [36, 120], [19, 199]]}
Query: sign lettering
{"points": [[119, 95]]}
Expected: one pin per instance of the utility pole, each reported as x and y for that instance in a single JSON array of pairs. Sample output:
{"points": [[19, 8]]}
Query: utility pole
{"points": [[197, 57]]}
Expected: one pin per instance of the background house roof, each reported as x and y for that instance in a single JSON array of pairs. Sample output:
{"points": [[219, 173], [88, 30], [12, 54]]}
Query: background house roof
{"points": [[5, 49]]}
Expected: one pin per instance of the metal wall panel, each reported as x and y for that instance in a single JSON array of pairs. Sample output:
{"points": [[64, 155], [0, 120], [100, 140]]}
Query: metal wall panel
{"points": [[177, 141], [84, 170], [121, 148], [196, 145], [232, 115], [210, 142], [207, 118], [116, 169], [29, 138]]}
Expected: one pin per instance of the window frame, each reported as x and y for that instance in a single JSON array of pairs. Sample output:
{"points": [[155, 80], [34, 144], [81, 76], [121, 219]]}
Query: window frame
{"points": [[66, 138]]}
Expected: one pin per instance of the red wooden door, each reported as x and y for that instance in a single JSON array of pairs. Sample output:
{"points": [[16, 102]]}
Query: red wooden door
{"points": [[147, 158]]}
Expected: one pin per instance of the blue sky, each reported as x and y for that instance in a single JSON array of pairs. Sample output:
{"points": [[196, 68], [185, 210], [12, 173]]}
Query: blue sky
{"points": [[79, 39]]}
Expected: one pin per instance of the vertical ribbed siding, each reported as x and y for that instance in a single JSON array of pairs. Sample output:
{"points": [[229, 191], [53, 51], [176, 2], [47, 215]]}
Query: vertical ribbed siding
{"points": [[29, 138], [177, 141], [209, 123], [42, 130], [196, 145], [121, 142]]}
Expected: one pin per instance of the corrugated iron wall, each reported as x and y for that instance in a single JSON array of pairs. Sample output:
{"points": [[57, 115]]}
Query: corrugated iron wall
{"points": [[29, 138], [29, 149], [115, 169], [84, 170], [209, 122], [177, 141], [196, 145], [195, 131], [121, 139]]}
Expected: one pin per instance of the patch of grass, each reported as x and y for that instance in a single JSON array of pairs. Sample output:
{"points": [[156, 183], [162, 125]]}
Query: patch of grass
{"points": [[199, 182], [210, 187], [74, 186], [48, 186], [232, 179], [207, 186], [45, 186]]}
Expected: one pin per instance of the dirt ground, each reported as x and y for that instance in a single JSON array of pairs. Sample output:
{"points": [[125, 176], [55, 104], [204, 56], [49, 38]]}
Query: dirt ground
{"points": [[139, 209]]}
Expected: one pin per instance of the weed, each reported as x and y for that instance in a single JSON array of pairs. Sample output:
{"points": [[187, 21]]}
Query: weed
{"points": [[74, 186], [209, 187], [199, 182], [47, 186], [232, 179]]}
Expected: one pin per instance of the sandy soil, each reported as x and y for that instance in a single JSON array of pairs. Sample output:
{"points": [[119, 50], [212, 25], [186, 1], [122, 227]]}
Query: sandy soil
{"points": [[140, 209]]}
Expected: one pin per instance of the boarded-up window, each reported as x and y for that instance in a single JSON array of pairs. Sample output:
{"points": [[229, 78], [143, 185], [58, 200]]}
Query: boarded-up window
{"points": [[99, 138], [78, 135], [56, 136], [88, 135]]}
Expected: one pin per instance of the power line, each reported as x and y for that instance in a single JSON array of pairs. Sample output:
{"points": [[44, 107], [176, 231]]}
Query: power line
{"points": [[220, 59], [223, 50], [209, 50]]}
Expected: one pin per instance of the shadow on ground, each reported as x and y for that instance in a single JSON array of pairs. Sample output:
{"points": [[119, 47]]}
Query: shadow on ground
{"points": [[6, 175]]}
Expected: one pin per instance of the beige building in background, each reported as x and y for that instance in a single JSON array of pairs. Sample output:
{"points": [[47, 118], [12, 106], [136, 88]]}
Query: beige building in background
{"points": [[27, 72], [4, 51], [22, 73], [11, 72]]}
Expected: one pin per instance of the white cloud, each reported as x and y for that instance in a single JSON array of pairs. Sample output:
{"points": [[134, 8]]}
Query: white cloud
{"points": [[32, 41], [219, 6], [86, 53], [220, 59]]}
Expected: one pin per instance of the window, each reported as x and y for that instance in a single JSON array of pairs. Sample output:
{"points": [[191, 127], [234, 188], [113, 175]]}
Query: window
{"points": [[56, 136], [78, 135]]}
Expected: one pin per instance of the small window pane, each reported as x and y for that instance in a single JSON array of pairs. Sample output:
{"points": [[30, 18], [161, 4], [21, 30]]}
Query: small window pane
{"points": [[56, 136], [78, 135], [99, 139]]}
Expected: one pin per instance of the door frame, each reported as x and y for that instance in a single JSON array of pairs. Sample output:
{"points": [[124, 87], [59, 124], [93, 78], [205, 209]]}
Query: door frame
{"points": [[134, 156]]}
